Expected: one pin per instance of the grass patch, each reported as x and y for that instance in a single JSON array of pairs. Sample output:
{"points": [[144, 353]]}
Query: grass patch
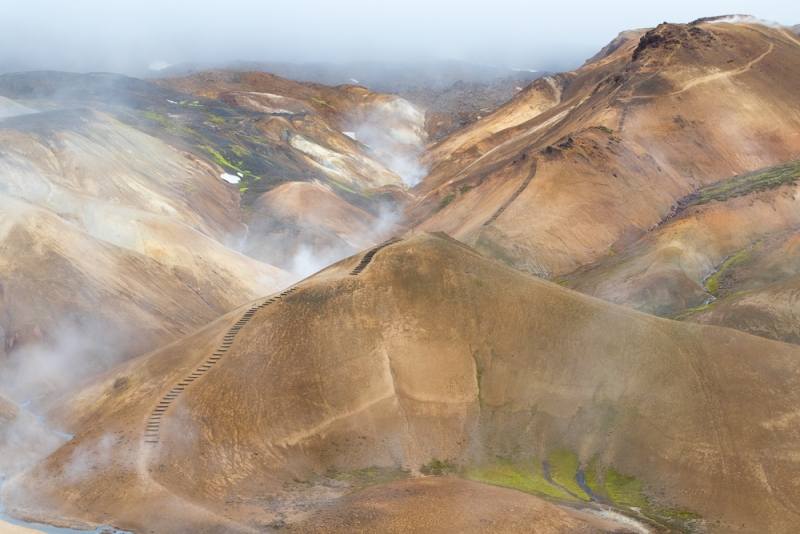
{"points": [[624, 490], [563, 469], [744, 184], [342, 186], [691, 311], [239, 150], [712, 282], [605, 129], [447, 200], [590, 474], [465, 189], [322, 102], [526, 476], [219, 159], [170, 125]]}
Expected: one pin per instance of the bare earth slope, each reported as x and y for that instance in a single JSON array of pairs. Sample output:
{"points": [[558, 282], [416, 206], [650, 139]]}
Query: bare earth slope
{"points": [[617, 144], [736, 240], [431, 352], [72, 305]]}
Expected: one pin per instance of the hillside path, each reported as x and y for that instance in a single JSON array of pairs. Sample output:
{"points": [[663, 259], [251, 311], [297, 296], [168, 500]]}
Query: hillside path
{"points": [[705, 79]]}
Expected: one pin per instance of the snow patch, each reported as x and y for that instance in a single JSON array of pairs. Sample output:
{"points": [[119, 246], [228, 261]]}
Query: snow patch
{"points": [[351, 135], [230, 178]]}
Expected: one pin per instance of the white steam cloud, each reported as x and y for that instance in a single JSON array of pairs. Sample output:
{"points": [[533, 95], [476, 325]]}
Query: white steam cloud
{"points": [[308, 260], [24, 440], [748, 19], [88, 457], [394, 132], [67, 356], [404, 162]]}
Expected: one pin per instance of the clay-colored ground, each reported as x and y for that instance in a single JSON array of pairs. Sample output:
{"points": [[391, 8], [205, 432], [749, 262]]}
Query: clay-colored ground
{"points": [[432, 351]]}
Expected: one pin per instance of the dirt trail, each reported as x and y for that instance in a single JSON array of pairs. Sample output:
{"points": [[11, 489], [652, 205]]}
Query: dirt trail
{"points": [[704, 79], [513, 197]]}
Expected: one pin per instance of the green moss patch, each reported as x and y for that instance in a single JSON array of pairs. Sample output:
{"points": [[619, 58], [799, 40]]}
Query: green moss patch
{"points": [[525, 476], [591, 474], [744, 184], [342, 186], [219, 159], [171, 126], [323, 102], [447, 200], [563, 470], [712, 283], [239, 150], [624, 490]]}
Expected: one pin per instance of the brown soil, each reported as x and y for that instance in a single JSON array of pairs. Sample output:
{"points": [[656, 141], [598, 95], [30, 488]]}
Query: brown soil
{"points": [[448, 505]]}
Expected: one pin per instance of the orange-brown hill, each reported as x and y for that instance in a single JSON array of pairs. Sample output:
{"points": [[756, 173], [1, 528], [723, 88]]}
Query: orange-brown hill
{"points": [[350, 145], [342, 105], [432, 352], [584, 163], [729, 253]]}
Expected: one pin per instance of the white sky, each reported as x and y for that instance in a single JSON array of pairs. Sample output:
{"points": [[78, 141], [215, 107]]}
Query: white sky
{"points": [[127, 36]]}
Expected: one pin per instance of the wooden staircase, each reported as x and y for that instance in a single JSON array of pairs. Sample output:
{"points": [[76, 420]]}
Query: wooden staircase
{"points": [[152, 431]]}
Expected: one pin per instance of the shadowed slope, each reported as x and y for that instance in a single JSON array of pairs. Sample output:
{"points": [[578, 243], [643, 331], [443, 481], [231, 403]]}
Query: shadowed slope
{"points": [[435, 352]]}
